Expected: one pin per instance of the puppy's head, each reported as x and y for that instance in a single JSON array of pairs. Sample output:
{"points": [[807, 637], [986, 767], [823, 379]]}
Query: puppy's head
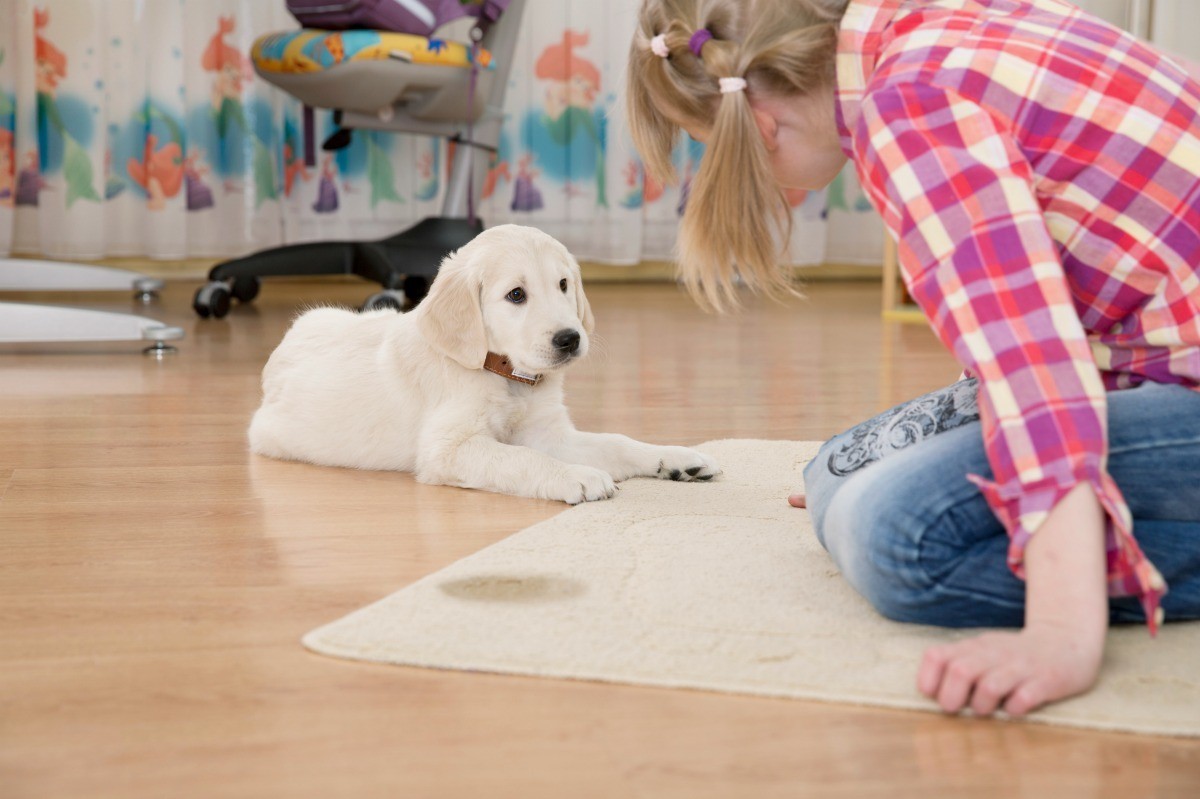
{"points": [[512, 290]]}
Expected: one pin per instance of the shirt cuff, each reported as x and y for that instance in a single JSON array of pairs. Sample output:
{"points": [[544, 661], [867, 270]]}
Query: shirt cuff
{"points": [[1022, 508]]}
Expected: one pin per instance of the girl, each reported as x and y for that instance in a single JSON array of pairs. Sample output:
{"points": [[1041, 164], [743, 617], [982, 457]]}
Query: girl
{"points": [[1040, 170]]}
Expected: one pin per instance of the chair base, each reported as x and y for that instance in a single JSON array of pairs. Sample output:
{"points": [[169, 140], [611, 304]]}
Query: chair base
{"points": [[407, 261]]}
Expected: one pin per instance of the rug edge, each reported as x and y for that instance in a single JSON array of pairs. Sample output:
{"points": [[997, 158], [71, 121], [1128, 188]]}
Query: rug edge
{"points": [[313, 642]]}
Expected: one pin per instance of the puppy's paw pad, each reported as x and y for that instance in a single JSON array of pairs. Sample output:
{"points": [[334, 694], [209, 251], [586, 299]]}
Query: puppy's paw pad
{"points": [[686, 465]]}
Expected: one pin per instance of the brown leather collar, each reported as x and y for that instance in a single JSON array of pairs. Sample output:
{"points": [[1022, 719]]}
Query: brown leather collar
{"points": [[499, 364]]}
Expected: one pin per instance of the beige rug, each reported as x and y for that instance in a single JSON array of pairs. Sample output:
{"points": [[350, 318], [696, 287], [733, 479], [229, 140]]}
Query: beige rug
{"points": [[717, 586]]}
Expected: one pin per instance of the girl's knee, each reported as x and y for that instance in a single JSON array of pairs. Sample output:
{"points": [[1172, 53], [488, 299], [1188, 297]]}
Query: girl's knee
{"points": [[820, 486], [914, 549], [873, 536], [891, 572]]}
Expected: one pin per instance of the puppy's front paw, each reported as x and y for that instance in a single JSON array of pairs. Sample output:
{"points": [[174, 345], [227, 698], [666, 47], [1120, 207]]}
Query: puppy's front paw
{"points": [[686, 465], [582, 484]]}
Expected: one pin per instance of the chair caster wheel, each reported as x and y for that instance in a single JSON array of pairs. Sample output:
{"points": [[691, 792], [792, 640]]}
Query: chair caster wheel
{"points": [[212, 300], [245, 289], [389, 299]]}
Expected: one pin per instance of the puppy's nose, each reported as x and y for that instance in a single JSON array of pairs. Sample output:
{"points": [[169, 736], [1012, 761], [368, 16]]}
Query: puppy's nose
{"points": [[566, 340]]}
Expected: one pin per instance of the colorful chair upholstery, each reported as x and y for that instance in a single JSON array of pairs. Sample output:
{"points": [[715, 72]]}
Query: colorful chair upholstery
{"points": [[397, 82]]}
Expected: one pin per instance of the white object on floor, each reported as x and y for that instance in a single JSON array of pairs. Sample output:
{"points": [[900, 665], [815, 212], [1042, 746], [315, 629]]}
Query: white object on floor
{"points": [[19, 274], [24, 322], [719, 586], [30, 323]]}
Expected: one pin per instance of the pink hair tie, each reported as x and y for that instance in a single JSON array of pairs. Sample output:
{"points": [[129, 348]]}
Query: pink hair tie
{"points": [[698, 39], [658, 46]]}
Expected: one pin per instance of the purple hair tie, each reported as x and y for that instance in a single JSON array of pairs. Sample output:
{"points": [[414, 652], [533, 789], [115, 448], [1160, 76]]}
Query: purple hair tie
{"points": [[698, 39]]}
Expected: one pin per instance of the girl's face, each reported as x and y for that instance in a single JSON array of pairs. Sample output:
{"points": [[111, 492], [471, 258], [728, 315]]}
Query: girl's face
{"points": [[802, 138]]}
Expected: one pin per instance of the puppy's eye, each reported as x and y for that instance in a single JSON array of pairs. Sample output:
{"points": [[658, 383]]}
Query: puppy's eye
{"points": [[516, 296], [562, 284]]}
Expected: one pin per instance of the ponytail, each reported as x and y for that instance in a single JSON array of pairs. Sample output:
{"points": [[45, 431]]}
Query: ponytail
{"points": [[737, 217], [736, 211]]}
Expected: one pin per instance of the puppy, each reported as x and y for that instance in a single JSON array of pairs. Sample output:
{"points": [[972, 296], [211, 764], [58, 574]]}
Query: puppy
{"points": [[464, 390]]}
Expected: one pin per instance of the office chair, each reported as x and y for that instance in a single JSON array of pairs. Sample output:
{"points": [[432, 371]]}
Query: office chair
{"points": [[399, 91]]}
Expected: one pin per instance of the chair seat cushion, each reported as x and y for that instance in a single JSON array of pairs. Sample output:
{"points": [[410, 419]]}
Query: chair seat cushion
{"points": [[308, 50]]}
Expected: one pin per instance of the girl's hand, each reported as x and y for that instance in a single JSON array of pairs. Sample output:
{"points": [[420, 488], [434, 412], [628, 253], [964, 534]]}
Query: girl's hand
{"points": [[1058, 653], [1014, 671], [798, 501]]}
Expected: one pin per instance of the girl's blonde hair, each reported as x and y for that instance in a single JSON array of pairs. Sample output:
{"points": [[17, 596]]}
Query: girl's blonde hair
{"points": [[736, 214]]}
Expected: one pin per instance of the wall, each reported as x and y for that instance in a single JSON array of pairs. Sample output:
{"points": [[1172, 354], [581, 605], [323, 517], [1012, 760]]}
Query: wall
{"points": [[1176, 26]]}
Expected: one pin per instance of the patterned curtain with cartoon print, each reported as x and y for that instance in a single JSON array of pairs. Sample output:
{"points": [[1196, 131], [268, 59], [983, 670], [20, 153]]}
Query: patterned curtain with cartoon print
{"points": [[139, 128]]}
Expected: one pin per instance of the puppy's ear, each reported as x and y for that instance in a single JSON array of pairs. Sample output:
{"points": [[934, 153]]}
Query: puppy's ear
{"points": [[452, 318], [582, 307]]}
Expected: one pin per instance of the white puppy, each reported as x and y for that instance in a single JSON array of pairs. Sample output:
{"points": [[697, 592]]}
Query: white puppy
{"points": [[464, 390]]}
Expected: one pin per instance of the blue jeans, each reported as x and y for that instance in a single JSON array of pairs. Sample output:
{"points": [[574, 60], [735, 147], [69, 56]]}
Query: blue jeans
{"points": [[892, 505]]}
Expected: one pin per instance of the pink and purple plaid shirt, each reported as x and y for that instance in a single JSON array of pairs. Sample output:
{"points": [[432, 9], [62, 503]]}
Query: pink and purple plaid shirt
{"points": [[1041, 172]]}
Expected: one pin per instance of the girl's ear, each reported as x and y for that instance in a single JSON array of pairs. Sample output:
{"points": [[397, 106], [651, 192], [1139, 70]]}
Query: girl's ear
{"points": [[768, 126]]}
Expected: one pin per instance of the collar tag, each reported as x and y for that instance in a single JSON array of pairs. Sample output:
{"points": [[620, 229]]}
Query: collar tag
{"points": [[500, 365]]}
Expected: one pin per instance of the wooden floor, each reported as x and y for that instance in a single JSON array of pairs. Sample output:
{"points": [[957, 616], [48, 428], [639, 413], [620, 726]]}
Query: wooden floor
{"points": [[155, 580]]}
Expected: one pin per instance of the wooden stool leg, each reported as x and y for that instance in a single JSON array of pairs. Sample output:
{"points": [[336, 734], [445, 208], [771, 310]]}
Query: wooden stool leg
{"points": [[891, 274]]}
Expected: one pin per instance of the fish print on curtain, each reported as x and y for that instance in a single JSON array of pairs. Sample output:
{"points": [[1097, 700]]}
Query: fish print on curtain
{"points": [[139, 128]]}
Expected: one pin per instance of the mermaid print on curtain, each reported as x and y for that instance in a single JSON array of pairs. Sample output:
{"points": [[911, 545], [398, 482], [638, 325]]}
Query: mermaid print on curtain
{"points": [[139, 128]]}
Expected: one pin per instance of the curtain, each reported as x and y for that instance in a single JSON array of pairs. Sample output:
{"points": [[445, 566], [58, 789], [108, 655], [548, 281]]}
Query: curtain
{"points": [[137, 128]]}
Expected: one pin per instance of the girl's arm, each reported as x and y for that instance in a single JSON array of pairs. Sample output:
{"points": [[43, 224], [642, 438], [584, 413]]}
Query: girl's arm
{"points": [[979, 259], [1058, 652]]}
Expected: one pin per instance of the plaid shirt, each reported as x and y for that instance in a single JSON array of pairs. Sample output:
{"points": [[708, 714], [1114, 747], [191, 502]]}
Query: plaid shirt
{"points": [[1041, 172]]}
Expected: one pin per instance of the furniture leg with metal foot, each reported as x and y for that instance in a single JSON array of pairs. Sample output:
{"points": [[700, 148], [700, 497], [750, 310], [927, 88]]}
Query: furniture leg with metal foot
{"points": [[20, 274], [28, 323], [22, 323]]}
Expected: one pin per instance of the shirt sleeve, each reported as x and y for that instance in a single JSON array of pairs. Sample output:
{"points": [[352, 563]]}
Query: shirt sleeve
{"points": [[979, 259]]}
